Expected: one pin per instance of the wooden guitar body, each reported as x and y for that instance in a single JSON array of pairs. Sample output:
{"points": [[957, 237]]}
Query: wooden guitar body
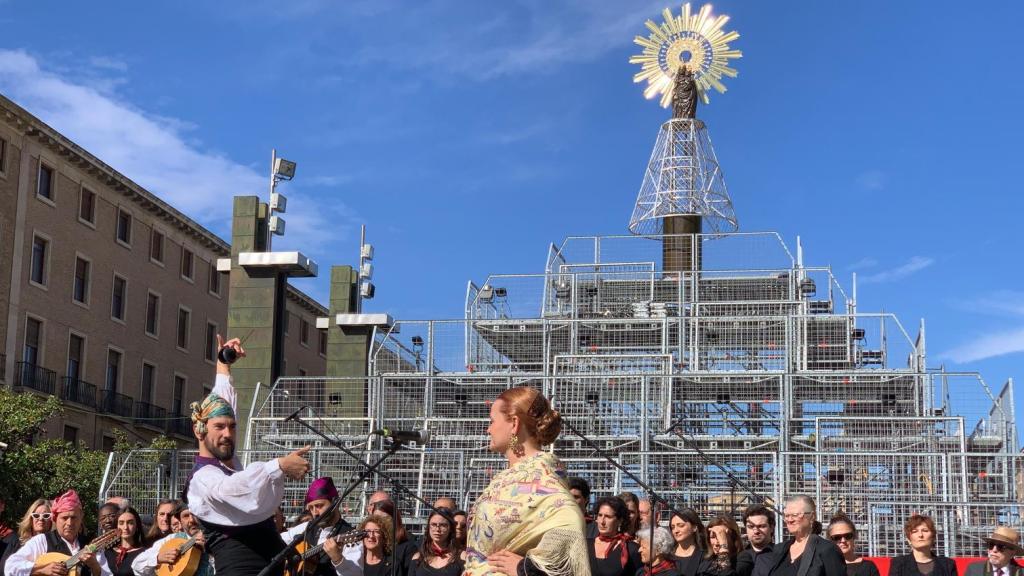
{"points": [[51, 557], [188, 562]]}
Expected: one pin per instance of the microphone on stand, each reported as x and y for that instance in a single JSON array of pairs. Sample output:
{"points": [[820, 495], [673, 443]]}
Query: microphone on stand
{"points": [[401, 436]]}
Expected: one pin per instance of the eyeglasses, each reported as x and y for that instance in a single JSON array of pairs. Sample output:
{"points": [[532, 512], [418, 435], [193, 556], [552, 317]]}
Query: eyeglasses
{"points": [[795, 516], [41, 516], [997, 545], [757, 526], [439, 525], [839, 537], [373, 532]]}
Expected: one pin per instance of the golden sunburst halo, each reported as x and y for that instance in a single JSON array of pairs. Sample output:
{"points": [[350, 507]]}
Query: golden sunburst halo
{"points": [[696, 40]]}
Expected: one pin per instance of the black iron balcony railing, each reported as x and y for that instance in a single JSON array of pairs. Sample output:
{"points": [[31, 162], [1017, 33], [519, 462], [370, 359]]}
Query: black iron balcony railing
{"points": [[35, 377], [78, 391], [147, 414], [115, 404], [180, 424]]}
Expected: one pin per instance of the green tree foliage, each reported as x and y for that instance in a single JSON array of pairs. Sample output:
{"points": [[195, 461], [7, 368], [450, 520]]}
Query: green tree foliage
{"points": [[38, 467]]}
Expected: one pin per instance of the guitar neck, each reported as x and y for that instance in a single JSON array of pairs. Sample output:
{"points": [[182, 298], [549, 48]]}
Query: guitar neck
{"points": [[187, 545]]}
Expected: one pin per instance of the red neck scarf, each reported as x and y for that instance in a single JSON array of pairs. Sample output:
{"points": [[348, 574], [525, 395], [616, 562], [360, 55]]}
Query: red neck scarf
{"points": [[121, 553], [663, 566], [622, 538], [437, 550]]}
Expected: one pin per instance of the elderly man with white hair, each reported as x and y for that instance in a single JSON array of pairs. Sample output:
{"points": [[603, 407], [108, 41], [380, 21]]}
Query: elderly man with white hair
{"points": [[656, 551]]}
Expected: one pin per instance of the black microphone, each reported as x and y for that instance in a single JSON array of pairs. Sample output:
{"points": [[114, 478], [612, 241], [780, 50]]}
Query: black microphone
{"points": [[295, 415], [399, 436]]}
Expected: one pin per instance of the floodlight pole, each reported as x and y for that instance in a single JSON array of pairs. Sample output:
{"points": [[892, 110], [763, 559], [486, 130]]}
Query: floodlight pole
{"points": [[359, 271], [273, 188]]}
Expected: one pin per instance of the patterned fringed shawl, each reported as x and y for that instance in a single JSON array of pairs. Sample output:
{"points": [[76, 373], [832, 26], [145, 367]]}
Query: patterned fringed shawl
{"points": [[528, 509]]}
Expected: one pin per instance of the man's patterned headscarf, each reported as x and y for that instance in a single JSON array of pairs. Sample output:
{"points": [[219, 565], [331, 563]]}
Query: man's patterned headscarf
{"points": [[211, 407]]}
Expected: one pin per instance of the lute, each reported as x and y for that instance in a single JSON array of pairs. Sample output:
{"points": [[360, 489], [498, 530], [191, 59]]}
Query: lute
{"points": [[73, 562]]}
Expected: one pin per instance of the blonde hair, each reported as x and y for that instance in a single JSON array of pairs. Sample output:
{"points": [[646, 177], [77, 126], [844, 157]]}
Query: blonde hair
{"points": [[25, 525]]}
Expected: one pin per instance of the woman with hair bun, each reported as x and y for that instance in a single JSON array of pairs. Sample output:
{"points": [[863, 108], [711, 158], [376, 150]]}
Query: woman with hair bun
{"points": [[842, 531], [526, 522]]}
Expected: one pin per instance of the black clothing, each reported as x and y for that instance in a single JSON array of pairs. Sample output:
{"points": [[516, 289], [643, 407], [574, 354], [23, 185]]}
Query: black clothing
{"points": [[8, 546], [690, 565], [612, 564], [907, 566], [417, 568], [54, 543], [404, 552], [711, 567], [863, 568], [125, 568], [380, 569], [820, 557], [243, 550], [590, 530], [746, 558]]}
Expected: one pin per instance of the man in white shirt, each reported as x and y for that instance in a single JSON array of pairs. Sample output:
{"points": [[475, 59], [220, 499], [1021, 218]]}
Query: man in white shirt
{"points": [[65, 539], [336, 560], [145, 564], [236, 507], [1003, 544]]}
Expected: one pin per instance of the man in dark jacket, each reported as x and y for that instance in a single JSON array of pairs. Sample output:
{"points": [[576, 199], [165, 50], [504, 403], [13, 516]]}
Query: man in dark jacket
{"points": [[759, 522]]}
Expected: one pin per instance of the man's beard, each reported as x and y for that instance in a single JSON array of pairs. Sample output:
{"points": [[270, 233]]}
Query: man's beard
{"points": [[220, 452]]}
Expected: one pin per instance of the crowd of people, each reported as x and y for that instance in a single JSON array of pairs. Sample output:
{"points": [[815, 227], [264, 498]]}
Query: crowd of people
{"points": [[531, 520]]}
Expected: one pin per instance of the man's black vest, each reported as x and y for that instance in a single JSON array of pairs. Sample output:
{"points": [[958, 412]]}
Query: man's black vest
{"points": [[54, 543], [239, 550]]}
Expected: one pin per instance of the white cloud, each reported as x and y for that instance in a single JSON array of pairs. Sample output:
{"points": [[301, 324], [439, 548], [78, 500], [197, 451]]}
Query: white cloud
{"points": [[866, 262], [912, 266], [154, 151], [988, 346]]}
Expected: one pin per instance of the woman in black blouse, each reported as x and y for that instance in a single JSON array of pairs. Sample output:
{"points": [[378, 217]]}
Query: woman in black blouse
{"points": [[842, 531], [612, 552], [690, 541], [120, 558], [724, 545], [439, 553], [922, 560], [377, 545]]}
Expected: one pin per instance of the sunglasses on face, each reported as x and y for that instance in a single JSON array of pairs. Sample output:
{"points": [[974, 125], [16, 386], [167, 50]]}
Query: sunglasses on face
{"points": [[41, 515], [849, 537], [997, 545]]}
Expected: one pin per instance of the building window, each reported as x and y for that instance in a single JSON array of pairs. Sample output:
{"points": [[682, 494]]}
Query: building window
{"points": [[76, 351], [44, 186], [214, 279], [211, 341], [303, 332], [80, 292], [118, 297], [148, 382], [152, 314], [188, 265], [179, 394], [33, 337], [124, 227], [3, 156], [87, 206], [323, 342], [156, 247], [113, 371], [40, 253], [70, 434], [184, 318]]}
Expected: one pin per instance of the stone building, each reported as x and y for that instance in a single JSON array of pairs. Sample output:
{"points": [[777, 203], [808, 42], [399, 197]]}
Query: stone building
{"points": [[110, 298]]}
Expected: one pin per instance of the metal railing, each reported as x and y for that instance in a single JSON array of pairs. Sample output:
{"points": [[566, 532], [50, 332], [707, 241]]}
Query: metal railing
{"points": [[147, 414], [116, 404], [35, 378], [78, 391]]}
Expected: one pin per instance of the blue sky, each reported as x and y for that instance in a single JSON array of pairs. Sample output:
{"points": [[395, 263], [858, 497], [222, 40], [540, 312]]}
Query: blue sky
{"points": [[469, 135]]}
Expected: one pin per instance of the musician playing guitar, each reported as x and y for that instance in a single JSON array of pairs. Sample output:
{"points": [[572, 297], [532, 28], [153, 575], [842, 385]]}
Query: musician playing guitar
{"points": [[336, 560], [65, 539], [160, 554]]}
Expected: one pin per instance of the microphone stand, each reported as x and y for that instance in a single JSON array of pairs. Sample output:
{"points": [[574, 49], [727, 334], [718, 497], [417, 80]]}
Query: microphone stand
{"points": [[654, 497], [399, 488], [311, 526]]}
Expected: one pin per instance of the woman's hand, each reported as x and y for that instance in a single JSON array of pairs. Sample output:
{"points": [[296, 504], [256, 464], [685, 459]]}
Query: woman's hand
{"points": [[505, 561]]}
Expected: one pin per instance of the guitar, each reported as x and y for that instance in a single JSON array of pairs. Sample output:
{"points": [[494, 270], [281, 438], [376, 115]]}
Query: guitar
{"points": [[308, 557], [71, 563], [189, 556]]}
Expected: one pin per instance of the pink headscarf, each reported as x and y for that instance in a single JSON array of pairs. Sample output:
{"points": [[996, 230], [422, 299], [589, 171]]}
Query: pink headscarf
{"points": [[321, 489], [66, 502]]}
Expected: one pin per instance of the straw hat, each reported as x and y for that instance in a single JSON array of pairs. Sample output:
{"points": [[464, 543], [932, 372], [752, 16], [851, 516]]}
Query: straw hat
{"points": [[1008, 536]]}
